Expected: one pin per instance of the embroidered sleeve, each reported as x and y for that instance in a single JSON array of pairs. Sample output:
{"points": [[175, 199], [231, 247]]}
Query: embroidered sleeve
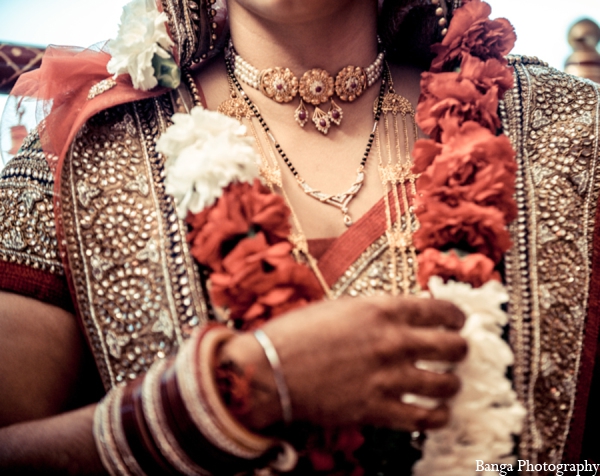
{"points": [[553, 120], [29, 259]]}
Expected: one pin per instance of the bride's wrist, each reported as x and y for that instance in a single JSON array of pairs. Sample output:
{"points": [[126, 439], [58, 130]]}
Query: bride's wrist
{"points": [[246, 383]]}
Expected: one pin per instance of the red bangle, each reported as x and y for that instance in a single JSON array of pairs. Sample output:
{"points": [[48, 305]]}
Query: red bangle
{"points": [[191, 438], [139, 440], [158, 423], [174, 422]]}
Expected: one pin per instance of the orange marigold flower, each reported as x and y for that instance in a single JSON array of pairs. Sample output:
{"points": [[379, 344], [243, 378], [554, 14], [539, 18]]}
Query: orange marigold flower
{"points": [[472, 32], [448, 96], [475, 269], [260, 281], [487, 74], [471, 165], [466, 226], [242, 209]]}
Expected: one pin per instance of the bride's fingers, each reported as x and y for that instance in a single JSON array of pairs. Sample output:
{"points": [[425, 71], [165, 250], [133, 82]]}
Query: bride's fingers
{"points": [[393, 413], [429, 384], [424, 312], [427, 344]]}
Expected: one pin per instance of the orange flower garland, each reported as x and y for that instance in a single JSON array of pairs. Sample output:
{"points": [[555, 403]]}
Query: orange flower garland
{"points": [[242, 240], [467, 168]]}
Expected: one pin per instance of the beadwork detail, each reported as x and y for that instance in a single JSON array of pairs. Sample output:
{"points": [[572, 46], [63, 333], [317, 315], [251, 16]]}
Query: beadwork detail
{"points": [[27, 230], [101, 87], [137, 288], [548, 268]]}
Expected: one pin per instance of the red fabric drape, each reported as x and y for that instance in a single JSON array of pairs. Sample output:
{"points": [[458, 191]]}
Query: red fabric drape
{"points": [[61, 86]]}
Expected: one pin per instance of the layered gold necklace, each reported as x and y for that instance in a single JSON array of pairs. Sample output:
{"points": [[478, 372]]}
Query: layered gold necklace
{"points": [[315, 87], [394, 167]]}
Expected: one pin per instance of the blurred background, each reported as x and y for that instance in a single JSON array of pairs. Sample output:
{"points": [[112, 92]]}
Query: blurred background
{"points": [[542, 28]]}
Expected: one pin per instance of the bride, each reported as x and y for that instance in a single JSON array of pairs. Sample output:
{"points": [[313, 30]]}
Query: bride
{"points": [[246, 317]]}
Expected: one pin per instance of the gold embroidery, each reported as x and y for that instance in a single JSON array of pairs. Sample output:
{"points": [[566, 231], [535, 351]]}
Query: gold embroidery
{"points": [[181, 17], [138, 292], [552, 120], [371, 273], [27, 231]]}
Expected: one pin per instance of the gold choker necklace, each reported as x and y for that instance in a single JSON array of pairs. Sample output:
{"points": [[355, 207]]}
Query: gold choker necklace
{"points": [[315, 87]]}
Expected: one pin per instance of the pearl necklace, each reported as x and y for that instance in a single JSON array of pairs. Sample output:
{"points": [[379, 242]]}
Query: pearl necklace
{"points": [[316, 86]]}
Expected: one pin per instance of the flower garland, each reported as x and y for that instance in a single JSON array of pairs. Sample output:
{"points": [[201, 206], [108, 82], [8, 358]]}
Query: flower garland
{"points": [[468, 171], [465, 203], [485, 414], [239, 230], [141, 48]]}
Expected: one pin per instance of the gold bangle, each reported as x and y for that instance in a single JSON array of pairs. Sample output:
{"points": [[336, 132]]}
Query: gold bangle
{"points": [[100, 439], [105, 442]]}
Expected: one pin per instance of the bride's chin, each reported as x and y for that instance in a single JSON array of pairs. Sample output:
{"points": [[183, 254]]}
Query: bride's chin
{"points": [[294, 11]]}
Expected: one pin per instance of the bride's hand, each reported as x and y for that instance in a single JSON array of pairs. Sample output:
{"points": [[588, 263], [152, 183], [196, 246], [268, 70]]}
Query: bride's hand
{"points": [[350, 361]]}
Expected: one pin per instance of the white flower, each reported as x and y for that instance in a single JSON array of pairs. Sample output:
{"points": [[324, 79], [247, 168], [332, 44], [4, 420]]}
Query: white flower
{"points": [[205, 151], [485, 413], [142, 34]]}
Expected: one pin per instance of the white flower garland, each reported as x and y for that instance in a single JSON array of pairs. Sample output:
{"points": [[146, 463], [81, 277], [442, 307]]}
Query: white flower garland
{"points": [[205, 151], [142, 35], [485, 414]]}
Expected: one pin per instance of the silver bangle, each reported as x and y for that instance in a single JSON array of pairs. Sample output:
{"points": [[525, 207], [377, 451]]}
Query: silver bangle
{"points": [[282, 388]]}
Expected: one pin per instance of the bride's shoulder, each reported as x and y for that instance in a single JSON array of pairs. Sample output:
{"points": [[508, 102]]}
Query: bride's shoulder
{"points": [[547, 99], [539, 74]]}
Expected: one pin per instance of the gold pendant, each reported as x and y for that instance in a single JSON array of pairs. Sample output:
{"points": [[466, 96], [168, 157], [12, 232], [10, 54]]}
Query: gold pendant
{"points": [[340, 200], [335, 113], [316, 86], [321, 120], [350, 83], [279, 84], [396, 173], [272, 175], [301, 114], [235, 107], [395, 104]]}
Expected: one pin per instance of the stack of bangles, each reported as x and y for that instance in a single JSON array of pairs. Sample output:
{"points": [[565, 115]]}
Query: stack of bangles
{"points": [[173, 421]]}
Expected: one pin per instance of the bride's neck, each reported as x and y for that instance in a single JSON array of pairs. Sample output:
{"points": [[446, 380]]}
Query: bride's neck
{"points": [[331, 39]]}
